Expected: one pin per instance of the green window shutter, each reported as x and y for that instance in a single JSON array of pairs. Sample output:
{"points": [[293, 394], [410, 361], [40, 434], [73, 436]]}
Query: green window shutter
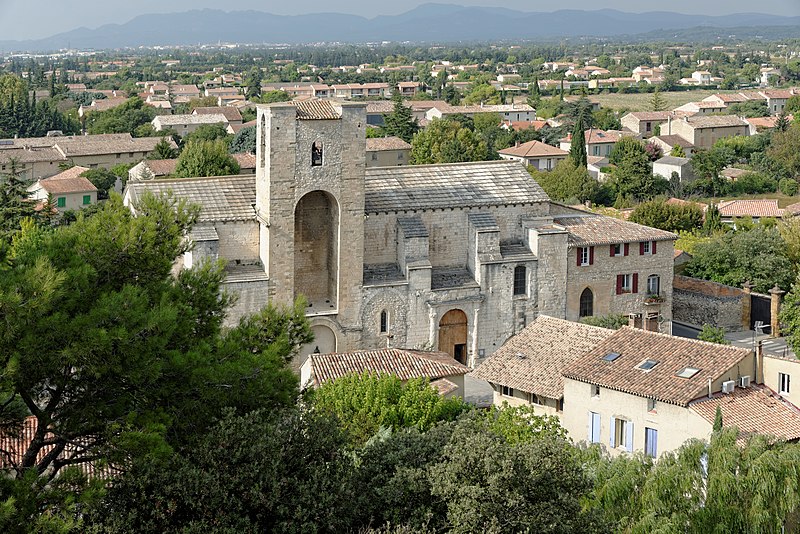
{"points": [[87, 199], [61, 202]]}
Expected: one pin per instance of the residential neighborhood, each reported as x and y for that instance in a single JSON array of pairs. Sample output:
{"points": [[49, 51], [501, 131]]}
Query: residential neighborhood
{"points": [[344, 278]]}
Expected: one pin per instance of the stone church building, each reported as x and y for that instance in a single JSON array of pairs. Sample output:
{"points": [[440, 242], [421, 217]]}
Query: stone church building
{"points": [[455, 257]]}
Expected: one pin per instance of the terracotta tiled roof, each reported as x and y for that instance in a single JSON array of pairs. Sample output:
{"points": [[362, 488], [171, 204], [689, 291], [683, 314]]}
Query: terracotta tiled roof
{"points": [[162, 167], [484, 183], [532, 360], [72, 172], [524, 125], [316, 110], [68, 182], [752, 208], [753, 410], [402, 363], [444, 386], [245, 161], [792, 209], [106, 103], [661, 382], [376, 144], [172, 120], [592, 229], [229, 112], [715, 121], [533, 149], [674, 140], [650, 115]]}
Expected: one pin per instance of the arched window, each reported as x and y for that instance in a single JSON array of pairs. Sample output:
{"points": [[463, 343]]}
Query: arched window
{"points": [[653, 284], [384, 322], [316, 154], [587, 303], [520, 285]]}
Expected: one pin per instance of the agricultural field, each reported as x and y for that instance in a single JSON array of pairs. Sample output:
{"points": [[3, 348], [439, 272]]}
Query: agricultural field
{"points": [[641, 101]]}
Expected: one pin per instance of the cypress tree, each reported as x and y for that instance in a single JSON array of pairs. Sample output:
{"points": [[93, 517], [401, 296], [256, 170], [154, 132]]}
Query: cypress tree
{"points": [[577, 150]]}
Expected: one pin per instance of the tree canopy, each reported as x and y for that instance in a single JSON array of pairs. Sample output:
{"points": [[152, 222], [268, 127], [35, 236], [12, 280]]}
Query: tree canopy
{"points": [[206, 158], [447, 141]]}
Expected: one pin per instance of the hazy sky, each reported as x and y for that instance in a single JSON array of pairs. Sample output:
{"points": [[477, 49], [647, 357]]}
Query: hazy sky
{"points": [[31, 19]]}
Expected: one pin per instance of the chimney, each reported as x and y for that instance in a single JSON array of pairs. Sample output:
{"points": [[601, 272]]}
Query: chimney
{"points": [[709, 388], [758, 376], [516, 144]]}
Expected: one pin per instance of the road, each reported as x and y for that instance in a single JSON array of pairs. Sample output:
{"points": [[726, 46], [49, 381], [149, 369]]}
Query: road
{"points": [[745, 339]]}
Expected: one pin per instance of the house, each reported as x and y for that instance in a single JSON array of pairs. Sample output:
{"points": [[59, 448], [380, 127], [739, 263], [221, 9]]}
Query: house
{"points": [[387, 152], [232, 114], [186, 124], [409, 89], [595, 166], [445, 373], [219, 92], [507, 112], [183, 92], [526, 370], [777, 99], [668, 165], [598, 142], [768, 76], [69, 190], [704, 107], [378, 108], [668, 142], [536, 154], [101, 105], [149, 169], [703, 131], [639, 390], [40, 157], [756, 209], [645, 123], [703, 77], [617, 267], [523, 125], [456, 256]]}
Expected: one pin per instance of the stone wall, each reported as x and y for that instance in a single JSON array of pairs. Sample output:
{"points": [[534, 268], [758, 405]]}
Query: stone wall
{"points": [[697, 302]]}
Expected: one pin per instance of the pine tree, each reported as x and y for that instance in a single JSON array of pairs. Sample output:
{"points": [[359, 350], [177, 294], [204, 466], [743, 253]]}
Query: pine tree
{"points": [[782, 123], [657, 102], [577, 150], [400, 122], [14, 203]]}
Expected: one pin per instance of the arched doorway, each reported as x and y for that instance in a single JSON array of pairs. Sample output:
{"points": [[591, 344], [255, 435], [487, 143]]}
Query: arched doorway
{"points": [[453, 335], [324, 342], [587, 303], [316, 250]]}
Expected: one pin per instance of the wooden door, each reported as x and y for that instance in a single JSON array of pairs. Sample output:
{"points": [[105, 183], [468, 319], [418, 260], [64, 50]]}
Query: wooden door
{"points": [[453, 335]]}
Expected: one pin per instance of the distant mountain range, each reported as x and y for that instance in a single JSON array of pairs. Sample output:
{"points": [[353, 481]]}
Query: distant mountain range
{"points": [[426, 23]]}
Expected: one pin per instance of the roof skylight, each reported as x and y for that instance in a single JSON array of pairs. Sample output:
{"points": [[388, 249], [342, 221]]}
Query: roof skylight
{"points": [[611, 356], [647, 365], [687, 372]]}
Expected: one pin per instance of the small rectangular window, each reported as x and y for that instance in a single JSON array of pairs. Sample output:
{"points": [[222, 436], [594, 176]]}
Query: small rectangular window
{"points": [[584, 256], [374, 156], [61, 202], [651, 405], [616, 250], [646, 247], [620, 426], [594, 427], [520, 282], [783, 383], [595, 390], [87, 199], [627, 283], [506, 391], [651, 442]]}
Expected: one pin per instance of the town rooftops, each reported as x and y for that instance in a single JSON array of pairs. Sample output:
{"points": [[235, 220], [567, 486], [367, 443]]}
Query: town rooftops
{"points": [[533, 149], [651, 115], [588, 229], [753, 410], [752, 208], [403, 363], [460, 185], [674, 140], [69, 181], [231, 113], [171, 120], [697, 361], [532, 360], [378, 144]]}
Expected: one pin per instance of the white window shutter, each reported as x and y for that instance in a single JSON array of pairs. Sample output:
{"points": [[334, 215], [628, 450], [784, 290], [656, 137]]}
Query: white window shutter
{"points": [[629, 436], [596, 428], [591, 420], [612, 432]]}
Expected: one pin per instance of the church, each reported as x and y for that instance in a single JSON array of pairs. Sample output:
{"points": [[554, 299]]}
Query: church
{"points": [[453, 257]]}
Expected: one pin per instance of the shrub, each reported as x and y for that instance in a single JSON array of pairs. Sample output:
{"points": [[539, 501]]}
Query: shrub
{"points": [[788, 186]]}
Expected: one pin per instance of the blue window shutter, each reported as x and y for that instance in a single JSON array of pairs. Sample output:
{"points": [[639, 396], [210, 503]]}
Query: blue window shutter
{"points": [[629, 436], [612, 431]]}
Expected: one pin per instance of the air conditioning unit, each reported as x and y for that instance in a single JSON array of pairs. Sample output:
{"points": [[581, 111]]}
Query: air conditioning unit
{"points": [[728, 386], [744, 382]]}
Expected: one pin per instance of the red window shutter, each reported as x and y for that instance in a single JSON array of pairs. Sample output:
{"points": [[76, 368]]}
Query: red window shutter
{"points": [[591, 255], [611, 250], [578, 250], [641, 248], [619, 284], [635, 285], [626, 249], [653, 249]]}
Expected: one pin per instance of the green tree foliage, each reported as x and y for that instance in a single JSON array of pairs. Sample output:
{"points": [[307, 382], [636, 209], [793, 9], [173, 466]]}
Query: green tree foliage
{"points": [[206, 158], [606, 119], [108, 350], [579, 112], [253, 83], [707, 164], [612, 321], [244, 141], [670, 217], [678, 152], [713, 334], [14, 203], [566, 182], [163, 150], [128, 117], [447, 141], [363, 404], [482, 93], [790, 316], [793, 104], [577, 149], [103, 180], [749, 109], [758, 255], [400, 122], [713, 222], [783, 149], [633, 175], [209, 132], [273, 96], [21, 115], [657, 102]]}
